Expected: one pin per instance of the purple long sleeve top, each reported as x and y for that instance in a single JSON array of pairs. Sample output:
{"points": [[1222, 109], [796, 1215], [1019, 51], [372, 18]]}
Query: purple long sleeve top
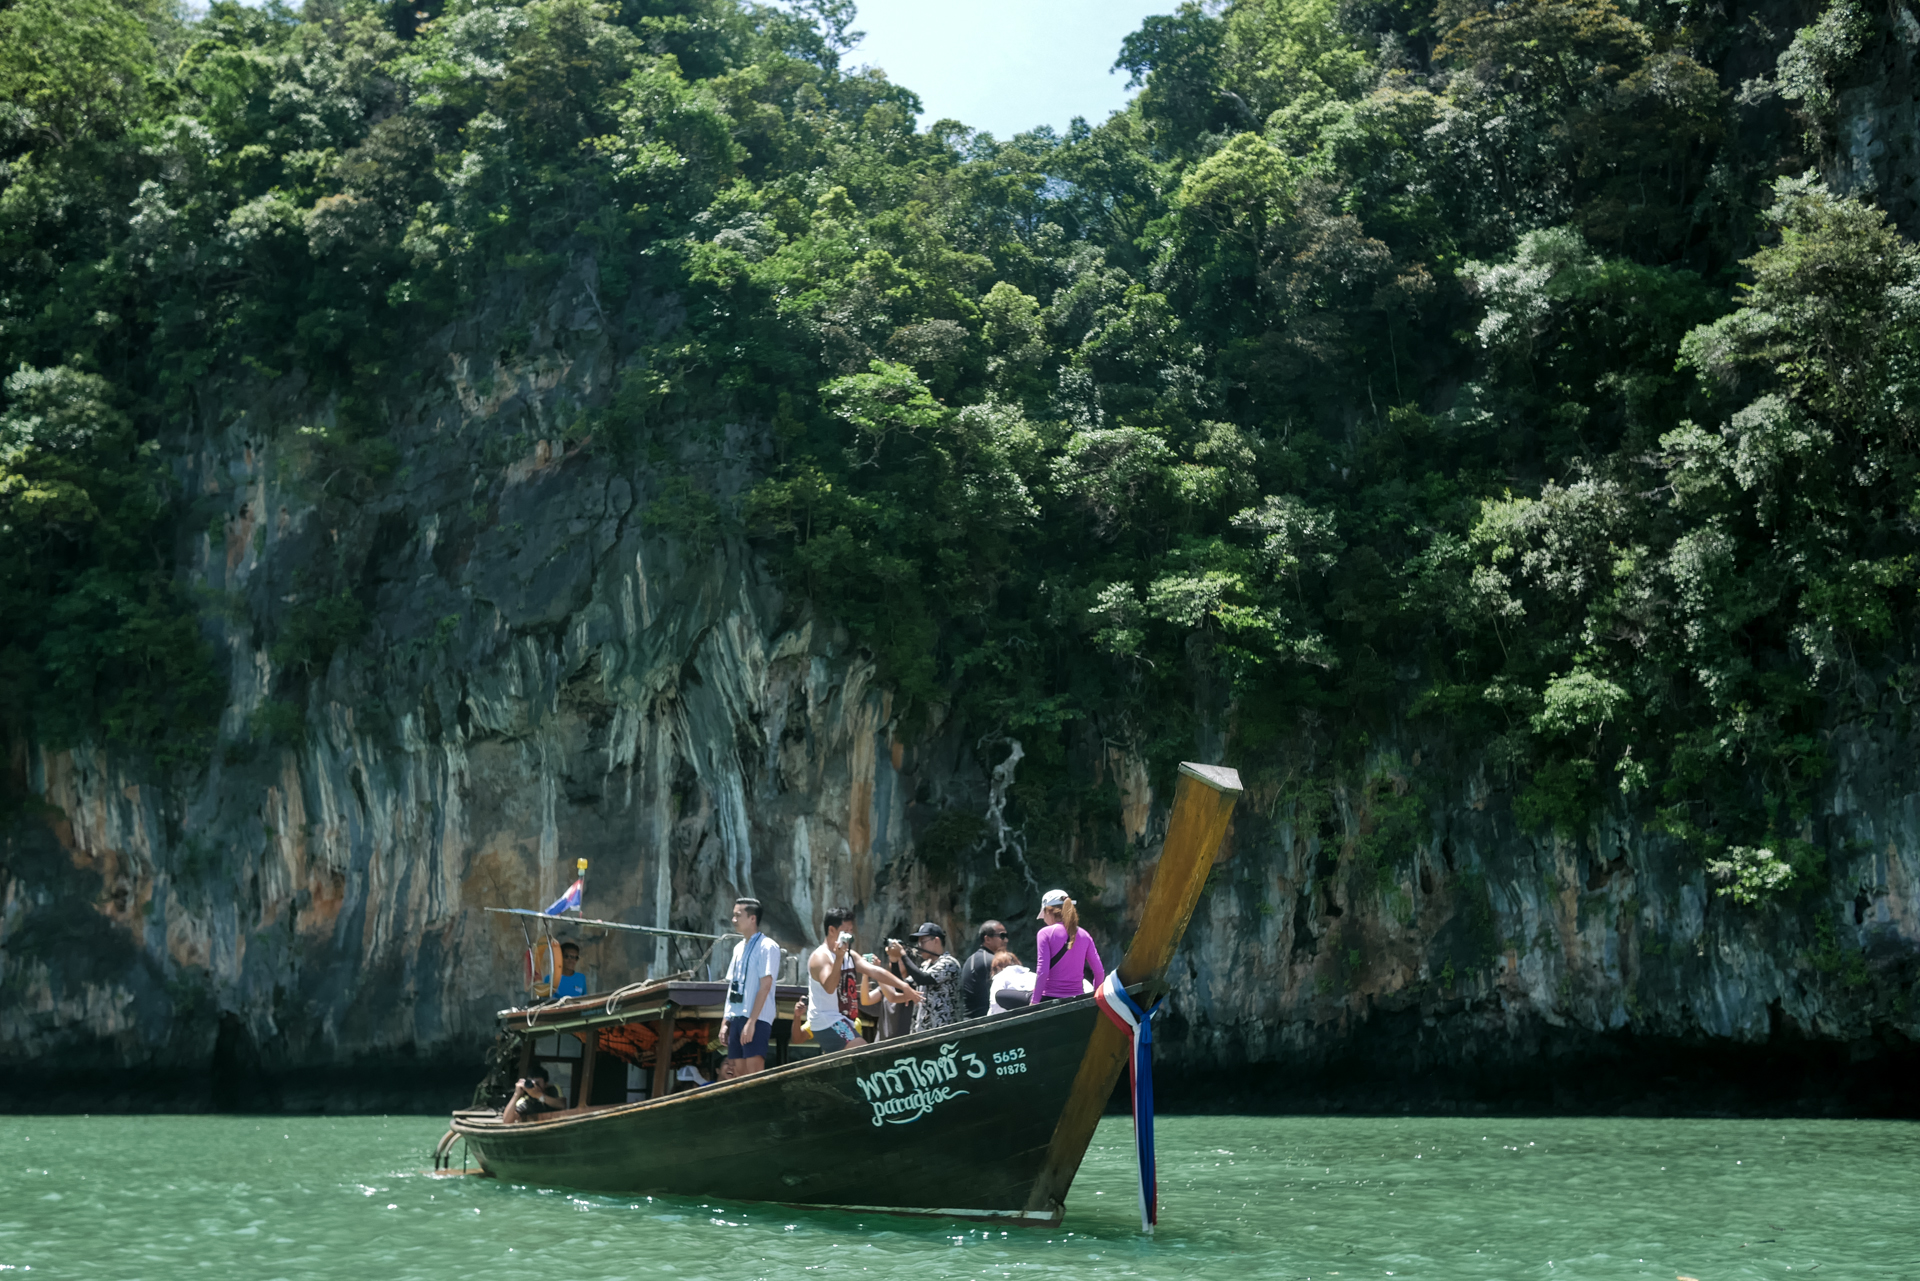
{"points": [[1063, 979]]}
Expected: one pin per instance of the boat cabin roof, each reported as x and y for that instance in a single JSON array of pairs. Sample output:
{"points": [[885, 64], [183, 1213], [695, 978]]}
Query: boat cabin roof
{"points": [[697, 998]]}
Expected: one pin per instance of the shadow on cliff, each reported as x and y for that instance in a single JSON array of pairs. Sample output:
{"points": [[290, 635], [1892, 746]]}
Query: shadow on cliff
{"points": [[1556, 1071], [395, 1084], [1381, 1066]]}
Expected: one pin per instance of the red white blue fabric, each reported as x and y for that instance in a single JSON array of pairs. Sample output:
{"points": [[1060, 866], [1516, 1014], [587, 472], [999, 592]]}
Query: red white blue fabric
{"points": [[1137, 1022], [570, 901]]}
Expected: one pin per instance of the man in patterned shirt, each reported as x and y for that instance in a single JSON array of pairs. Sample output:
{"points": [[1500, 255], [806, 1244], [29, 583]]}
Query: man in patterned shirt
{"points": [[938, 980]]}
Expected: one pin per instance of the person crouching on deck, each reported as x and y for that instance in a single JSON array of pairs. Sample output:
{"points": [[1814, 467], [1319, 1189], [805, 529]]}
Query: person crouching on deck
{"points": [[1065, 950], [826, 964], [1012, 984], [756, 960]]}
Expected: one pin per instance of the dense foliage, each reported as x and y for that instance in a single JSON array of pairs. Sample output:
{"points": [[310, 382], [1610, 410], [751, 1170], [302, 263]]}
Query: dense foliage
{"points": [[1483, 375]]}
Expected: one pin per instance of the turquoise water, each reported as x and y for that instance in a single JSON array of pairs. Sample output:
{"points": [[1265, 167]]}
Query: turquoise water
{"points": [[116, 1198]]}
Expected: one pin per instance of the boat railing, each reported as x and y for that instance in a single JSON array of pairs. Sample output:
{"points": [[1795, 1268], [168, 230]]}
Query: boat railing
{"points": [[710, 960], [789, 975], [717, 949]]}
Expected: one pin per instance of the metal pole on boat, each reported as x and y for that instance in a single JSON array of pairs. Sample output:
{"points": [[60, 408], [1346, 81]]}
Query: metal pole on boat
{"points": [[580, 911]]}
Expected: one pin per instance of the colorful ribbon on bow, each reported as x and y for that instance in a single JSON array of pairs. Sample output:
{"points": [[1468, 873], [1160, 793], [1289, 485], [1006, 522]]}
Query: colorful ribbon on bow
{"points": [[1137, 1023]]}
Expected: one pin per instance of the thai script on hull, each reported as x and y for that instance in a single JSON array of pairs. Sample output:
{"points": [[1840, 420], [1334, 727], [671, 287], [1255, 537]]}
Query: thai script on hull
{"points": [[912, 1087]]}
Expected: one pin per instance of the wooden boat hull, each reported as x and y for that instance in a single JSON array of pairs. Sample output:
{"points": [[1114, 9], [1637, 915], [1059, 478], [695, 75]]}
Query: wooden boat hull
{"points": [[955, 1121], [989, 1118]]}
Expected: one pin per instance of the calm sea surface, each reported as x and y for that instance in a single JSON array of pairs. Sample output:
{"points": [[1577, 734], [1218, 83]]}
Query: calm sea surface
{"points": [[111, 1198]]}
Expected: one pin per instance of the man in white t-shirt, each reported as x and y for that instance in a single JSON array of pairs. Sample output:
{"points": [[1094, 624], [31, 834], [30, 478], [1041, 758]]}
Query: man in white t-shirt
{"points": [[750, 978]]}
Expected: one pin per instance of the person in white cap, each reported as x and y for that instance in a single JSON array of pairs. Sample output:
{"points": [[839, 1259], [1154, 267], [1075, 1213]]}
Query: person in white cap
{"points": [[1066, 952]]}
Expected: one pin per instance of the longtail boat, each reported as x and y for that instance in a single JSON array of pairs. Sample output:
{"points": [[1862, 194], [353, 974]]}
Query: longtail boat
{"points": [[984, 1119]]}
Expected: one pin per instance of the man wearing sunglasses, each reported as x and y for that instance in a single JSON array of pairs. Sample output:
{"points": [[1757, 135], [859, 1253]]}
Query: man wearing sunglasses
{"points": [[976, 976]]}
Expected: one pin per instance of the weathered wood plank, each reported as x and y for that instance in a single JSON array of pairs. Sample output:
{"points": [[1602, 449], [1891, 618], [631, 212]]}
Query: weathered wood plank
{"points": [[663, 1055], [590, 1054]]}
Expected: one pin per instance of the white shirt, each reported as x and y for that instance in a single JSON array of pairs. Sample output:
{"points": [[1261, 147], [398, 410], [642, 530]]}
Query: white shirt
{"points": [[763, 963], [1018, 977], [823, 1007]]}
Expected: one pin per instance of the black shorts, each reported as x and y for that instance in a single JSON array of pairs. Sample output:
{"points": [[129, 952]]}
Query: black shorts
{"points": [[752, 1047], [838, 1037]]}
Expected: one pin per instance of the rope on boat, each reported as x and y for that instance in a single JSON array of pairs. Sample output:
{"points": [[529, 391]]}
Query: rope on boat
{"points": [[621, 994]]}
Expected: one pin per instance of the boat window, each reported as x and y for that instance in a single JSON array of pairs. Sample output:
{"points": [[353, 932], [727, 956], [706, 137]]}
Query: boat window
{"points": [[560, 1053], [560, 1073], [560, 1045]]}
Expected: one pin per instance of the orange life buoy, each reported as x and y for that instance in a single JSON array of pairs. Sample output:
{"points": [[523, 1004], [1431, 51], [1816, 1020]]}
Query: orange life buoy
{"points": [[543, 963]]}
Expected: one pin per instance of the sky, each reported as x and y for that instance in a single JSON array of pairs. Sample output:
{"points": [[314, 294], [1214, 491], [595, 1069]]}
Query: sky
{"points": [[1000, 65], [1003, 65]]}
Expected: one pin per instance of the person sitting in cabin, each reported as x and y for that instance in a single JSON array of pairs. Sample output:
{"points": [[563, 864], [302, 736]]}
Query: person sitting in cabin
{"points": [[938, 980], [1065, 950], [1012, 984], [750, 981], [569, 984], [826, 967], [533, 1098]]}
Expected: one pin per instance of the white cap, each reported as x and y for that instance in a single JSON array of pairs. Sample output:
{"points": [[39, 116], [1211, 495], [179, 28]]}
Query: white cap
{"points": [[1052, 898]]}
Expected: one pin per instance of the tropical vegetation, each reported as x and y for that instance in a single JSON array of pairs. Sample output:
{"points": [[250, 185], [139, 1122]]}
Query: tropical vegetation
{"points": [[1493, 377]]}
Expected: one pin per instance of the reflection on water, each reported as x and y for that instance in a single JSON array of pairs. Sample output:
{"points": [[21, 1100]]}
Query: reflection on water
{"points": [[117, 1198]]}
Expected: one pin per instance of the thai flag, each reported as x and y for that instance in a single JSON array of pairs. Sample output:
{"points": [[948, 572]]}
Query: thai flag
{"points": [[1137, 1023], [570, 901]]}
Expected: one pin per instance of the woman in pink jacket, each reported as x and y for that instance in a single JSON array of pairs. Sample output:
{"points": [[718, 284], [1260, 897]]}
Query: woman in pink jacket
{"points": [[1066, 951]]}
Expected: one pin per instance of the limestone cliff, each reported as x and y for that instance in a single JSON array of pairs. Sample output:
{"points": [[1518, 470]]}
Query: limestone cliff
{"points": [[1874, 147], [564, 660]]}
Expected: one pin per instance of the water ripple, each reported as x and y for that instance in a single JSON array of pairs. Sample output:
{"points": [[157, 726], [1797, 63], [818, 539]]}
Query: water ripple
{"points": [[320, 1199]]}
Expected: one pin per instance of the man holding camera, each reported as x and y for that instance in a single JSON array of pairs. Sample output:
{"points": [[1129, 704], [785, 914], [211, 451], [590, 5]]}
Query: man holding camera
{"points": [[533, 1098], [938, 980], [826, 1023], [756, 960]]}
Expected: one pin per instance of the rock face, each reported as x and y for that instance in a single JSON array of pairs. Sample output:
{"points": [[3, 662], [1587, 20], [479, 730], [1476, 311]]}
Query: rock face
{"points": [[565, 657], [1498, 966], [1875, 148]]}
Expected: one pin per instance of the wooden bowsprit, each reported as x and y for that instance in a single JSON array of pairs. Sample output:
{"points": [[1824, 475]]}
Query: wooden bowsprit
{"points": [[1202, 810]]}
